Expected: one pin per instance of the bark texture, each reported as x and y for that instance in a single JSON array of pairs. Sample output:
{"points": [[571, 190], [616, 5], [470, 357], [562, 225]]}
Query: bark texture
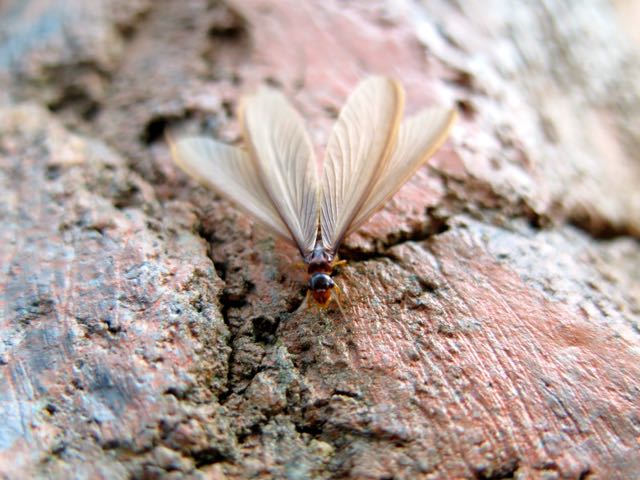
{"points": [[492, 309]]}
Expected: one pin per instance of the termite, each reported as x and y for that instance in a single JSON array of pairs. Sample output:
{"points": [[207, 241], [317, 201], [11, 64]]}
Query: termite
{"points": [[370, 154]]}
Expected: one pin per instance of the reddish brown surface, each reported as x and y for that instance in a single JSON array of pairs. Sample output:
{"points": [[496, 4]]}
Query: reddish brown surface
{"points": [[149, 330]]}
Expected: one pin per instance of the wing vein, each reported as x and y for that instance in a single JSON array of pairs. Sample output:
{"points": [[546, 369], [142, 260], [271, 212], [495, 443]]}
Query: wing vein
{"points": [[358, 150]]}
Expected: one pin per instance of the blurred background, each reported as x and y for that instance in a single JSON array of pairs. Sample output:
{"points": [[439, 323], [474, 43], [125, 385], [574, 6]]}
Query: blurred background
{"points": [[548, 92]]}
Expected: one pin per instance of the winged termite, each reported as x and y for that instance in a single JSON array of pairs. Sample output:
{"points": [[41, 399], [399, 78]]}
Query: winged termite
{"points": [[370, 155]]}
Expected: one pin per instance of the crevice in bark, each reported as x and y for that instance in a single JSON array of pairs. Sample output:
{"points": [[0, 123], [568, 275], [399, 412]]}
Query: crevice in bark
{"points": [[265, 328], [227, 302], [586, 474], [129, 30], [228, 42], [157, 126], [73, 95], [228, 25], [600, 228], [76, 100], [207, 456], [506, 470], [434, 226]]}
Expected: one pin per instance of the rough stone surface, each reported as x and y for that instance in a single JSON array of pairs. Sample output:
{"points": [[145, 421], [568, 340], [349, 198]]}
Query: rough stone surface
{"points": [[491, 312]]}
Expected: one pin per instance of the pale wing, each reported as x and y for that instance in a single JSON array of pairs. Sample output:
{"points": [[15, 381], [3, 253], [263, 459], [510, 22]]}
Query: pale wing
{"points": [[358, 151], [283, 154], [230, 172], [419, 138]]}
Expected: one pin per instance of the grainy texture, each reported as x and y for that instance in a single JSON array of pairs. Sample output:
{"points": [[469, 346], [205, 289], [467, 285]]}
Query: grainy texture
{"points": [[491, 310]]}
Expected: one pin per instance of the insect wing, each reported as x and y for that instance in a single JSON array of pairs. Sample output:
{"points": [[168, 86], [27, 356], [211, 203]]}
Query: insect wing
{"points": [[230, 172], [419, 138], [283, 155], [358, 151]]}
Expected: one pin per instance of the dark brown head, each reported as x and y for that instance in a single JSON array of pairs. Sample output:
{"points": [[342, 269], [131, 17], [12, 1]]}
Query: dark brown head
{"points": [[320, 286]]}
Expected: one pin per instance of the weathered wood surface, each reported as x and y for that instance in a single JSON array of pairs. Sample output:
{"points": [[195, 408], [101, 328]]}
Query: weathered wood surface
{"points": [[492, 321]]}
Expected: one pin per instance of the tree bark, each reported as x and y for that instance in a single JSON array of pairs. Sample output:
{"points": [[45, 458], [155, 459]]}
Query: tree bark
{"points": [[491, 311]]}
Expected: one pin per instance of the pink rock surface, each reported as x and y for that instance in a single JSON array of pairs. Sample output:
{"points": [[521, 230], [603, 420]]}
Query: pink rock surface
{"points": [[491, 309]]}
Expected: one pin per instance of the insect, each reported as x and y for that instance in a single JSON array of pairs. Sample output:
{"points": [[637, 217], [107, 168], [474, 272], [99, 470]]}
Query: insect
{"points": [[370, 154]]}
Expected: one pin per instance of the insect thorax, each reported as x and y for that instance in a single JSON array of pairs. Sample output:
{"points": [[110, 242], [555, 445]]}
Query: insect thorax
{"points": [[319, 260]]}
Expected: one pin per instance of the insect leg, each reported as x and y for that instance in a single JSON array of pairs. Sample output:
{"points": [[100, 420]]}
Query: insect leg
{"points": [[339, 294], [305, 303]]}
